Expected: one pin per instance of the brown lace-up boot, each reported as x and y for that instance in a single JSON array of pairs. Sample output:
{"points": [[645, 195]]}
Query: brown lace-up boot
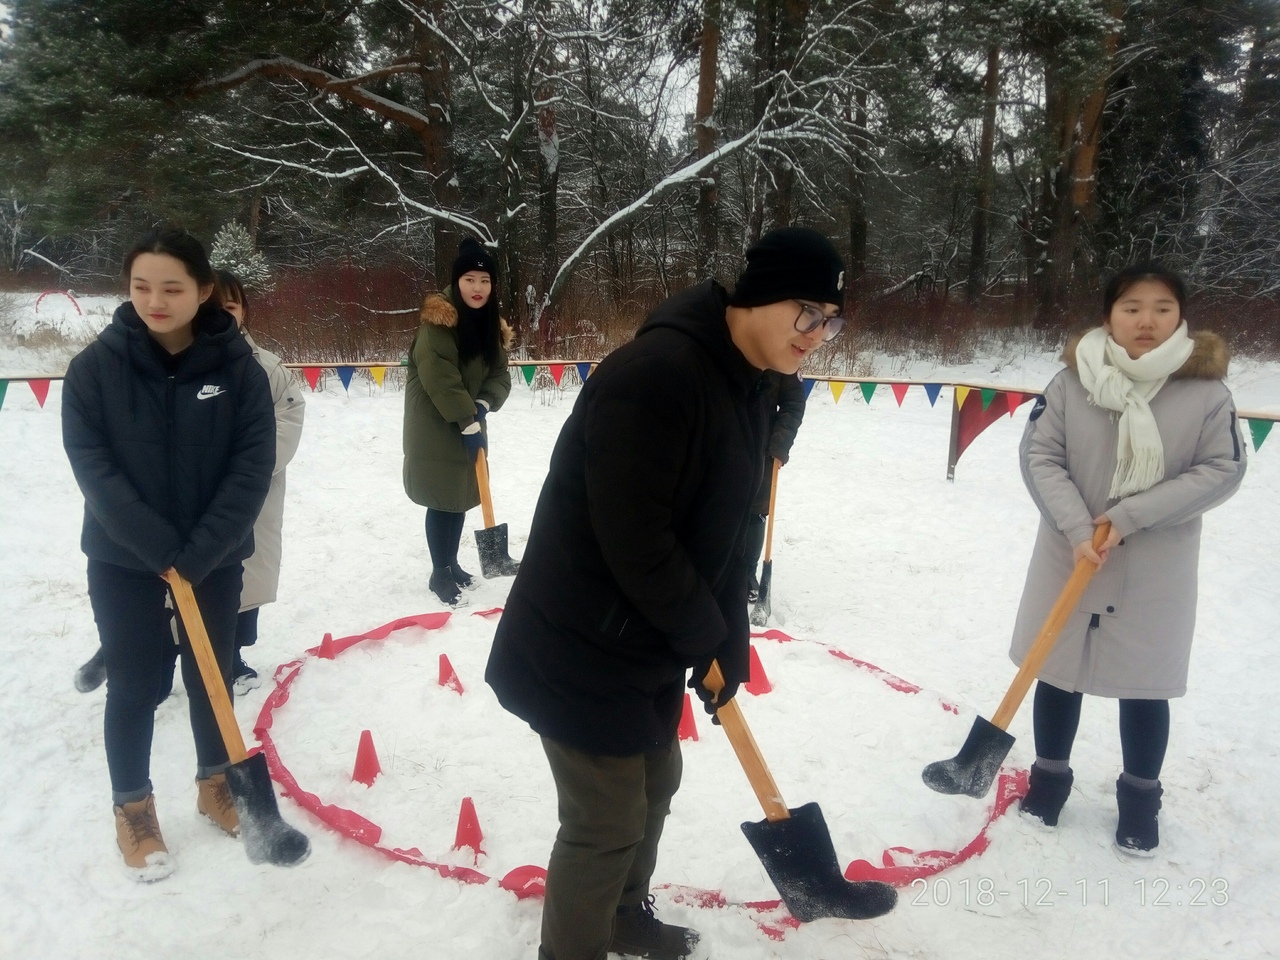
{"points": [[146, 858], [213, 799]]}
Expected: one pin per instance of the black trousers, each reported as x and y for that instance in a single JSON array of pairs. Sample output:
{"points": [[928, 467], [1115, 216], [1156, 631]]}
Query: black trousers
{"points": [[444, 533], [1144, 729], [137, 644]]}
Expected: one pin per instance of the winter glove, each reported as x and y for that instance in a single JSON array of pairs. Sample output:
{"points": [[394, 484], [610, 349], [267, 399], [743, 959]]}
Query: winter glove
{"points": [[482, 407], [696, 679], [473, 439]]}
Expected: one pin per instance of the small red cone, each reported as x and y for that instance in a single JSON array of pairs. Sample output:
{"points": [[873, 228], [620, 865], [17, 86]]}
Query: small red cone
{"points": [[367, 767], [326, 648], [759, 682], [448, 677], [688, 729], [468, 834]]}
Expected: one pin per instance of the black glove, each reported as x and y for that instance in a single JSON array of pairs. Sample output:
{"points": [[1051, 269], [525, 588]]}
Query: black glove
{"points": [[695, 682], [482, 408], [473, 439]]}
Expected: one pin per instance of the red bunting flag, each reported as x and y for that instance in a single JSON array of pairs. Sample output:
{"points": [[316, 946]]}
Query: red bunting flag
{"points": [[557, 371], [899, 391], [41, 389], [312, 375], [1014, 400]]}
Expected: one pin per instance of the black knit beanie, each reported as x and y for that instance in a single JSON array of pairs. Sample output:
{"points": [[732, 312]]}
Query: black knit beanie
{"points": [[791, 263], [472, 256]]}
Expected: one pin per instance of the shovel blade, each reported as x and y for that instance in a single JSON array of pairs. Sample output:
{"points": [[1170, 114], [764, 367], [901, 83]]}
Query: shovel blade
{"points": [[973, 770], [760, 612], [491, 542], [801, 861], [267, 838]]}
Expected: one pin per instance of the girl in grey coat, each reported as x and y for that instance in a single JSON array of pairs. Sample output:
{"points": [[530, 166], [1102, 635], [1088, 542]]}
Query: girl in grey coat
{"points": [[1141, 432]]}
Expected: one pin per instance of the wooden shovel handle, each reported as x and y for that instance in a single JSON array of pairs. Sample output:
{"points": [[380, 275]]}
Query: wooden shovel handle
{"points": [[486, 500], [744, 745], [1068, 600], [773, 503], [210, 673]]}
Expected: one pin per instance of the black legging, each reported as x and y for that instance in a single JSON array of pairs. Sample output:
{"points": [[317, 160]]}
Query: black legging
{"points": [[1144, 729], [444, 533]]}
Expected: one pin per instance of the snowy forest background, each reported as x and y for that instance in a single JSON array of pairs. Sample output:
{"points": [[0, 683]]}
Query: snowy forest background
{"points": [[978, 163]]}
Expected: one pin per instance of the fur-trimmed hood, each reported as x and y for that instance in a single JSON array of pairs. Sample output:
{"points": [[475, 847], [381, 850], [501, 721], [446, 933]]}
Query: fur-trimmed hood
{"points": [[1208, 361], [438, 310]]}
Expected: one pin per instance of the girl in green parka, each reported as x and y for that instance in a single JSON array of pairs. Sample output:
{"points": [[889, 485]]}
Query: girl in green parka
{"points": [[457, 375]]}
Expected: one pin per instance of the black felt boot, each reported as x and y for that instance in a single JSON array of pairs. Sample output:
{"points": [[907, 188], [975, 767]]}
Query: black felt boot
{"points": [[1138, 832], [1047, 795], [638, 933], [443, 586]]}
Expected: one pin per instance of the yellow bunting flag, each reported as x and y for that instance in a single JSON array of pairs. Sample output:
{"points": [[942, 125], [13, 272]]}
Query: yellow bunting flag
{"points": [[837, 388], [961, 394], [377, 373]]}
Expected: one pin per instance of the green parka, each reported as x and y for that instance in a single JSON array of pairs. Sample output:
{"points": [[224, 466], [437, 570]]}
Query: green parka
{"points": [[439, 400]]}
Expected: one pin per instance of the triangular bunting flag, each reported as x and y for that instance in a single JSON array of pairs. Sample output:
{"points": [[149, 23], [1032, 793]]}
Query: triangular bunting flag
{"points": [[377, 373], [528, 369], [41, 389], [837, 388], [4, 388], [584, 371], [962, 394], [987, 397], [1013, 399], [868, 389], [312, 375], [931, 391], [808, 387], [899, 391], [1258, 430], [344, 374], [557, 371]]}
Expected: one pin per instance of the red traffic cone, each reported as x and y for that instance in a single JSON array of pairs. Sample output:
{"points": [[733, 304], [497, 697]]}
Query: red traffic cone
{"points": [[468, 834], [326, 651], [759, 682], [367, 767], [688, 729], [448, 676]]}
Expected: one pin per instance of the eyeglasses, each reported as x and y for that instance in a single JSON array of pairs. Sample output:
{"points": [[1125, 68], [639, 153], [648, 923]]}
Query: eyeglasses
{"points": [[810, 318]]}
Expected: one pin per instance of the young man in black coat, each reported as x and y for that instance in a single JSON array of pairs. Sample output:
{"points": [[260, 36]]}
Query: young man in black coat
{"points": [[634, 572]]}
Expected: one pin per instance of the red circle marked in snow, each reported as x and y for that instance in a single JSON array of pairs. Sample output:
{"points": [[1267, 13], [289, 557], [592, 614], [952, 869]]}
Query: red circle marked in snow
{"points": [[899, 865]]}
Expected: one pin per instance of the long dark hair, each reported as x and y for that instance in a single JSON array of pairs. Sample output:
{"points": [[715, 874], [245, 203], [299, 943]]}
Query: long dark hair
{"points": [[229, 288], [481, 336], [1135, 274], [177, 243]]}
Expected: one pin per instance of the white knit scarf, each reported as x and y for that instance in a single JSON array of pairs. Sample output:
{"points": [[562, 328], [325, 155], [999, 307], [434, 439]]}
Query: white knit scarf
{"points": [[1116, 381]]}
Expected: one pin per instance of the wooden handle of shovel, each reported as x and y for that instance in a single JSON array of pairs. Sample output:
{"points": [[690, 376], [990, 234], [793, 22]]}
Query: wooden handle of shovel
{"points": [[744, 745], [773, 503], [486, 500], [1068, 600], [210, 673]]}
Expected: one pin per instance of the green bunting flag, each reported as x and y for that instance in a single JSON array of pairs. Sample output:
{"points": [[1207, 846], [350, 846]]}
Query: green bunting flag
{"points": [[529, 371], [987, 397], [1258, 429], [868, 389], [4, 388]]}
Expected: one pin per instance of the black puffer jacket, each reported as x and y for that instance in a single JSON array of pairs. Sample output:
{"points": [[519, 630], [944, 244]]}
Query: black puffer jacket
{"points": [[634, 569], [173, 468]]}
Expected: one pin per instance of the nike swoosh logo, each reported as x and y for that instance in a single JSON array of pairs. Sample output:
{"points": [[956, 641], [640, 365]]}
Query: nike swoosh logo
{"points": [[209, 390]]}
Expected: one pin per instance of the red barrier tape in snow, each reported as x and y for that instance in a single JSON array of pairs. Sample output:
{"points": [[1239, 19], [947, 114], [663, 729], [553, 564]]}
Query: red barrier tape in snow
{"points": [[900, 865]]}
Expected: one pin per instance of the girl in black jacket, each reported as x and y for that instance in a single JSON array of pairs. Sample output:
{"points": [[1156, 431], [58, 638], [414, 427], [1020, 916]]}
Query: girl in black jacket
{"points": [[168, 424]]}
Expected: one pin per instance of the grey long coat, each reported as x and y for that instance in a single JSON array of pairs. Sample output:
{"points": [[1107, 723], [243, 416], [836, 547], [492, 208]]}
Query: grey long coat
{"points": [[262, 570], [1144, 597]]}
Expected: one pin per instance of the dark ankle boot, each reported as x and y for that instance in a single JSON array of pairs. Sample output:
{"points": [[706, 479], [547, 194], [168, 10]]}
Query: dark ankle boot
{"points": [[1047, 795], [638, 933], [463, 579], [1138, 832], [443, 586]]}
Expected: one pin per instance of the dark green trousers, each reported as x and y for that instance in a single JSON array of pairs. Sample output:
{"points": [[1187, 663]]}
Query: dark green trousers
{"points": [[612, 810]]}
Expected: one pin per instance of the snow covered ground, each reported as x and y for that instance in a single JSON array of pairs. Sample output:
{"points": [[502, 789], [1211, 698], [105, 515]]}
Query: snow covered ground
{"points": [[876, 555]]}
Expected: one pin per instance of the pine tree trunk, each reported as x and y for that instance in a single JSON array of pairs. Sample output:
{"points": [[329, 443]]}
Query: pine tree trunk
{"points": [[437, 138], [985, 177], [708, 191], [858, 228]]}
